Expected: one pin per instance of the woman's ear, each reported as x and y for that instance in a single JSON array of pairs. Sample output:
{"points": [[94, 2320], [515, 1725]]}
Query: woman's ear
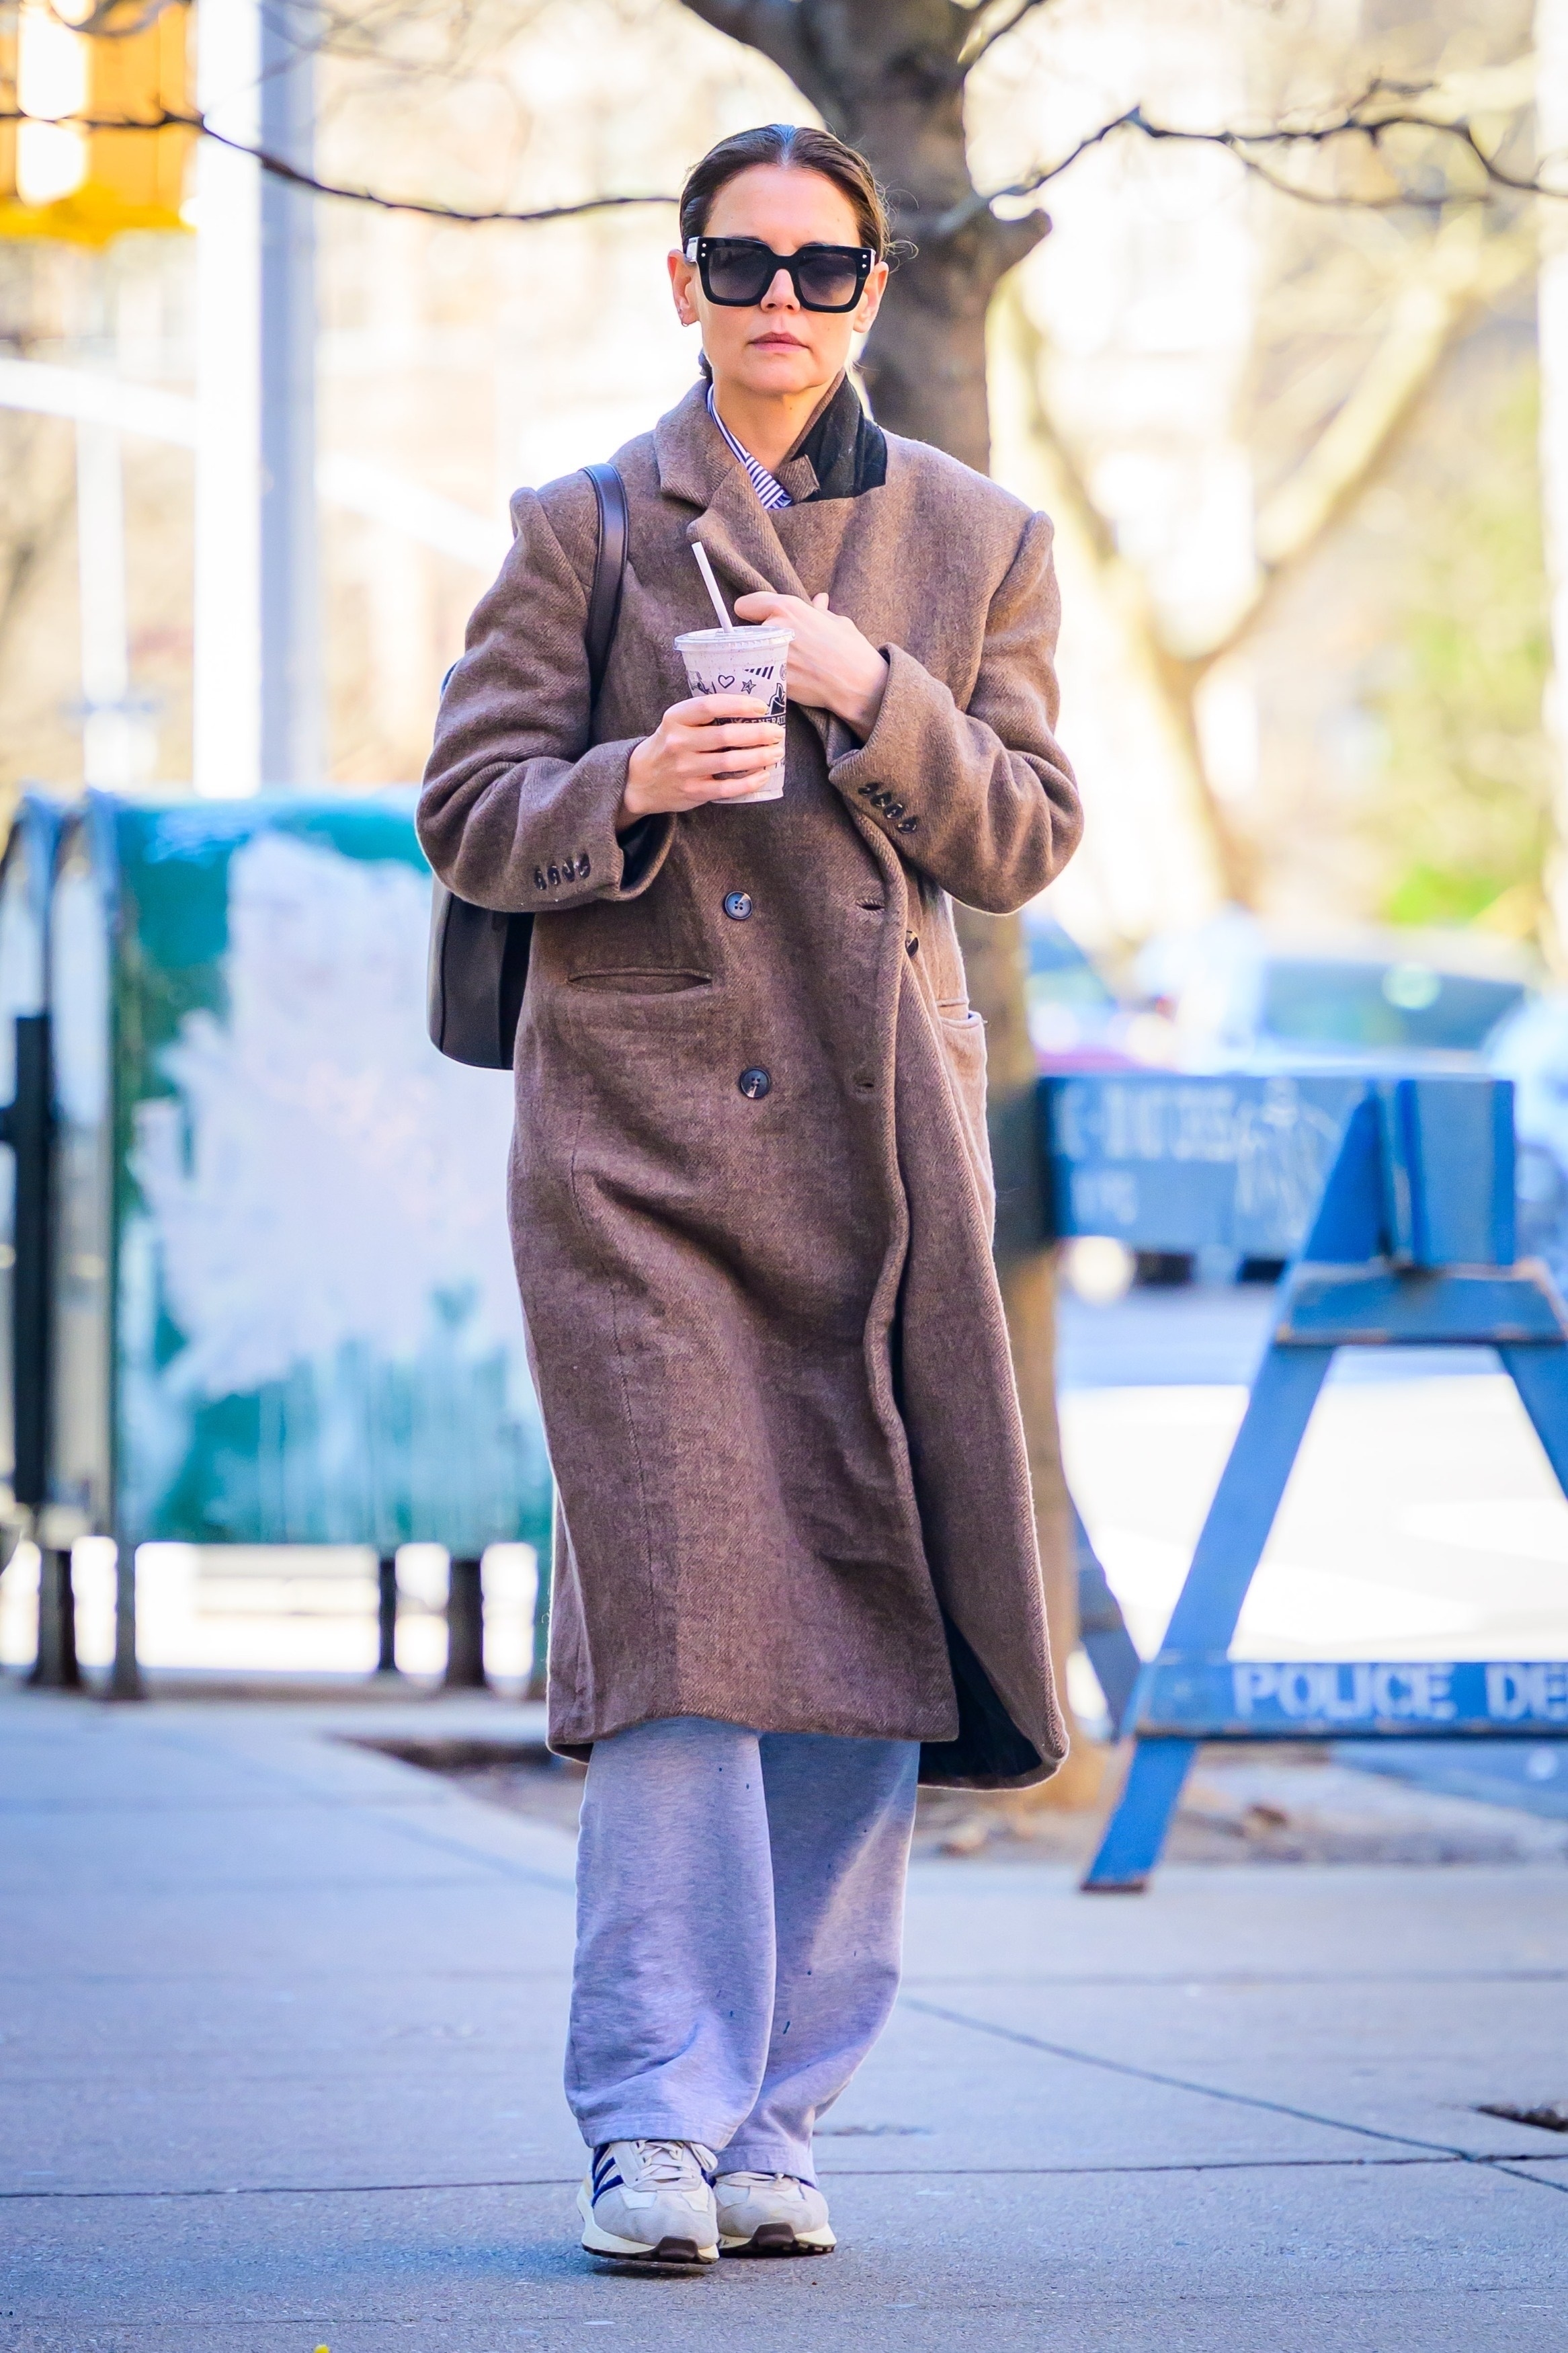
{"points": [[682, 285], [870, 301]]}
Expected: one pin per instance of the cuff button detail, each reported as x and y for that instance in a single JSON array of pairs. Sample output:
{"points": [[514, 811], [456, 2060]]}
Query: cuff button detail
{"points": [[570, 870], [892, 809]]}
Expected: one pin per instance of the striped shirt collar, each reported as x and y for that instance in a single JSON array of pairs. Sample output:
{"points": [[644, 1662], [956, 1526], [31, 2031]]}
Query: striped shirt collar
{"points": [[771, 493]]}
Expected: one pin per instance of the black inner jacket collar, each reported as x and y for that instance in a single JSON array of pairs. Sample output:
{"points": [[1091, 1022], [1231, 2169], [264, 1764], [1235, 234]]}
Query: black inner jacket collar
{"points": [[847, 452]]}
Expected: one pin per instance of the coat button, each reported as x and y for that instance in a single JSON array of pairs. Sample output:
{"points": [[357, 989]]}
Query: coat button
{"points": [[753, 1085], [738, 905], [911, 943]]}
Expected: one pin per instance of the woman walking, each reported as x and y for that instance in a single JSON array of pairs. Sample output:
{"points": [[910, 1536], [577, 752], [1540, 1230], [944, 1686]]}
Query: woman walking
{"points": [[794, 1563]]}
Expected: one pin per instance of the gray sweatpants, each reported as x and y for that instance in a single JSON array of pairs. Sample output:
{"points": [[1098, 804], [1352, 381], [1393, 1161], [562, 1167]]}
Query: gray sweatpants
{"points": [[739, 1916]]}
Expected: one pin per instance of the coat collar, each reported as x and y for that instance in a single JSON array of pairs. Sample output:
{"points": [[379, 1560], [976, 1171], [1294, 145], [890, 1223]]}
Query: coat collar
{"points": [[695, 466]]}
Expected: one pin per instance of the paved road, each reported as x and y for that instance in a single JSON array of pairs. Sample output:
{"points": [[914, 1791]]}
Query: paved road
{"points": [[281, 2025], [1208, 1332]]}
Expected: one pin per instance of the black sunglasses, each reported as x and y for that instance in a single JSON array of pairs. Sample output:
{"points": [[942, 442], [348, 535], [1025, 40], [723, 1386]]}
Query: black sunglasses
{"points": [[736, 272]]}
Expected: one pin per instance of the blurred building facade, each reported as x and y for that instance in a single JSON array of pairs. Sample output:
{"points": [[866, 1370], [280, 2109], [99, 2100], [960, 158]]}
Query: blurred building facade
{"points": [[1247, 674]]}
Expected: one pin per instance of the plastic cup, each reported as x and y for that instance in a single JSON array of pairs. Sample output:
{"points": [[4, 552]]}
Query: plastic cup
{"points": [[742, 661]]}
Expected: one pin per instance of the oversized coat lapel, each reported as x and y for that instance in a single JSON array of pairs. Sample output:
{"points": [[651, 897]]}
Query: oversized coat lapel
{"points": [[695, 467]]}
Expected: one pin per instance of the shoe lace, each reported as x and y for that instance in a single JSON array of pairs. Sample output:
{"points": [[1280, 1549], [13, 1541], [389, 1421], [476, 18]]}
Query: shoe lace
{"points": [[672, 2164], [766, 2181]]}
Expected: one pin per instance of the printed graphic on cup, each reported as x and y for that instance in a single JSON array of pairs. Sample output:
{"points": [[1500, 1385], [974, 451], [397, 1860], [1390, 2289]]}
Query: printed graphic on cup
{"points": [[742, 660]]}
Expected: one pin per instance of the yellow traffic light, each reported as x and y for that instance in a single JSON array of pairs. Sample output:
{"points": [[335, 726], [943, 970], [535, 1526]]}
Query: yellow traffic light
{"points": [[81, 75]]}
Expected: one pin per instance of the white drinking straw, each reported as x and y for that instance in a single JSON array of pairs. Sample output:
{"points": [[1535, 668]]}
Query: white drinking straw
{"points": [[700, 553]]}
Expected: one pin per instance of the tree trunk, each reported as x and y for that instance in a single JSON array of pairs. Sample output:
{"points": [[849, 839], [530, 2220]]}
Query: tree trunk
{"points": [[888, 76], [994, 958], [924, 368]]}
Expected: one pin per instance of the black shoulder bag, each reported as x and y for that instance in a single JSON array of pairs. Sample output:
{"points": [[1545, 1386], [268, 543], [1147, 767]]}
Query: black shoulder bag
{"points": [[478, 959]]}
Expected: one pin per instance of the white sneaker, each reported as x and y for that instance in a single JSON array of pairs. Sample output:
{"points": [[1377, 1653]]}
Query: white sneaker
{"points": [[771, 2214], [651, 2202]]}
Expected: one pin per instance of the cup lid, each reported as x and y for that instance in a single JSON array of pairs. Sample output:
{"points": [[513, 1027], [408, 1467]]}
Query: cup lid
{"points": [[750, 634]]}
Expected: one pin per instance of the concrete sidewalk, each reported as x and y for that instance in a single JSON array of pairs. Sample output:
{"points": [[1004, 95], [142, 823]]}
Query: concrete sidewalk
{"points": [[282, 2021]]}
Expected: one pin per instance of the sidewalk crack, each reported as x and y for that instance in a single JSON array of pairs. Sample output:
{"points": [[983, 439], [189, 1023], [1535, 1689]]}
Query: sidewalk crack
{"points": [[1433, 2148]]}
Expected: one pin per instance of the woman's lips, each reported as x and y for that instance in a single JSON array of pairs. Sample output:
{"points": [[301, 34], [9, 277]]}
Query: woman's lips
{"points": [[777, 343]]}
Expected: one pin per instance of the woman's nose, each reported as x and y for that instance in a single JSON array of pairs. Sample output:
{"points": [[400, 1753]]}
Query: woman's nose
{"points": [[775, 300]]}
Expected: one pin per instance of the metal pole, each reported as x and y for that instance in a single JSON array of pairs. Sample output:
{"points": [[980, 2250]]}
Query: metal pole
{"points": [[386, 1614], [125, 1678], [291, 749], [538, 1683], [56, 1667], [464, 1628], [107, 750], [28, 1130], [226, 687]]}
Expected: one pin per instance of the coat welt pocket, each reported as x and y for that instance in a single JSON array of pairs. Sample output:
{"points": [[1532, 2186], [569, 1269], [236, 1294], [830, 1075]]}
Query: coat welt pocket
{"points": [[963, 1042], [632, 981], [964, 1036]]}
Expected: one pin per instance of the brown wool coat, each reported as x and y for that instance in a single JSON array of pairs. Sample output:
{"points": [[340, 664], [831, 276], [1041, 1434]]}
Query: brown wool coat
{"points": [[767, 1337]]}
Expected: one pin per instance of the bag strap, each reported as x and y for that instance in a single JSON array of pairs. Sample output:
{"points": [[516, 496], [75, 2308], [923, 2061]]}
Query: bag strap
{"points": [[609, 569], [609, 573]]}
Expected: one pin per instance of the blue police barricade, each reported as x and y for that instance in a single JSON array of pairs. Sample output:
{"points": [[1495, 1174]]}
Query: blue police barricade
{"points": [[1168, 1163], [1411, 1241], [1103, 1629], [284, 1311]]}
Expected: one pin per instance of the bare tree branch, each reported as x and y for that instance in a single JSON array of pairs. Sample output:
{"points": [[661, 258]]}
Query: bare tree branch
{"points": [[281, 169], [1426, 320], [1169, 679], [1382, 108], [1428, 316], [970, 57], [31, 536], [1368, 120]]}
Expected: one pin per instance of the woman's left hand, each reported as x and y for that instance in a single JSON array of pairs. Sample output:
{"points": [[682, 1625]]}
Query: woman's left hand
{"points": [[831, 665]]}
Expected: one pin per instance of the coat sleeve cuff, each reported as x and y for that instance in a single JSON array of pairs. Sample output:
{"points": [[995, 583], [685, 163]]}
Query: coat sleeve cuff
{"points": [[911, 703], [591, 861]]}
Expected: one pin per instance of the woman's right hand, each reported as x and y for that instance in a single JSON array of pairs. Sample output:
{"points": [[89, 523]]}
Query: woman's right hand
{"points": [[712, 747]]}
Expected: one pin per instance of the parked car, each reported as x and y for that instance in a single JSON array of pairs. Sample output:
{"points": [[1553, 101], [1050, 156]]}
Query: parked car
{"points": [[1239, 992], [1236, 993], [1077, 1021], [1531, 1048]]}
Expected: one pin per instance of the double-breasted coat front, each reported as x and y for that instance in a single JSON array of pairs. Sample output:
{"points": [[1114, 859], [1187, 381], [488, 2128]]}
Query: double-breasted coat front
{"points": [[765, 1330]]}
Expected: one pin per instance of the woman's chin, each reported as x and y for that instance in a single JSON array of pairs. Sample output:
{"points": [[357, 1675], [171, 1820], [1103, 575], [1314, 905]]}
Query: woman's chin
{"points": [[784, 371]]}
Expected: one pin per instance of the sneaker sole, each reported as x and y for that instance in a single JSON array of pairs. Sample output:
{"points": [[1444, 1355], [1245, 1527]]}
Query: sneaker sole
{"points": [[670, 2254], [779, 2239]]}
